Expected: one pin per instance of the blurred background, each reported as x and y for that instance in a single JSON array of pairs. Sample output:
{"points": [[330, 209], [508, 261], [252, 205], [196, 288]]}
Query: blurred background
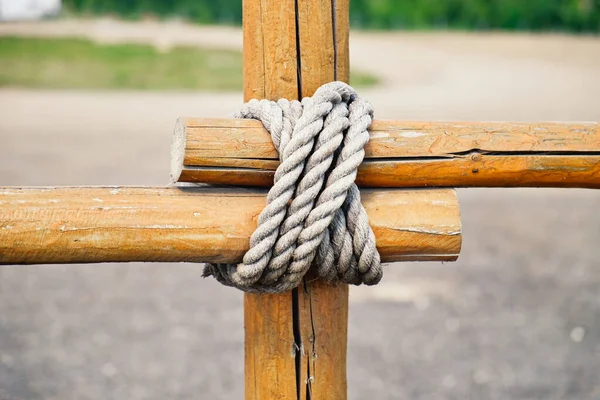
{"points": [[89, 93]]}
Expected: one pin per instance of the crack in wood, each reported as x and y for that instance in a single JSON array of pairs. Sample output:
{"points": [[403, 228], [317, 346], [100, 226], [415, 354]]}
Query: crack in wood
{"points": [[298, 347], [311, 372], [297, 328]]}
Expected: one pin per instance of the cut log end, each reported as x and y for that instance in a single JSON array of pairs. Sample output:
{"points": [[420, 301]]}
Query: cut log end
{"points": [[178, 150]]}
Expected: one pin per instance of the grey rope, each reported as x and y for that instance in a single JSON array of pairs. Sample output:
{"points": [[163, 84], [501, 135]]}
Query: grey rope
{"points": [[313, 214]]}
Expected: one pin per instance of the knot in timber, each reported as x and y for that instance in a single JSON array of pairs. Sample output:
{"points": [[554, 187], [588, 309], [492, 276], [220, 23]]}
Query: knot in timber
{"points": [[313, 214]]}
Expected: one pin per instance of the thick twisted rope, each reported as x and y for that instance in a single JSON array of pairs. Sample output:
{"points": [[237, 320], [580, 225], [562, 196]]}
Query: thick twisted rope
{"points": [[313, 214]]}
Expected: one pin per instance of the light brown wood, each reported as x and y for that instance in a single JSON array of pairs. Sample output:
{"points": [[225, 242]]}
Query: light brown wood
{"points": [[475, 169], [270, 71], [317, 45], [269, 49], [239, 138], [469, 170], [323, 318], [322, 309], [123, 224], [268, 327], [342, 39], [408, 154], [320, 56]]}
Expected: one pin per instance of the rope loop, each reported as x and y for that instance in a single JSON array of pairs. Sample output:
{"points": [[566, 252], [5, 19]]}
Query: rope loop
{"points": [[313, 215]]}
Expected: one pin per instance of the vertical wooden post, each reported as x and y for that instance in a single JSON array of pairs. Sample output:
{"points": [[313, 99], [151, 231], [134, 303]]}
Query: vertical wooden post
{"points": [[295, 343]]}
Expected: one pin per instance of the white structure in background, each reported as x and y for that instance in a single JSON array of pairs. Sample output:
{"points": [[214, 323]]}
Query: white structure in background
{"points": [[12, 10]]}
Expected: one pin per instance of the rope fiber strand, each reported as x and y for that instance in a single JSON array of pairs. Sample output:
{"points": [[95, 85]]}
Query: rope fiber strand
{"points": [[313, 214]]}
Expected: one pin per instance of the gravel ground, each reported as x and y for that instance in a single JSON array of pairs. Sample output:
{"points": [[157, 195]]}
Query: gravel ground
{"points": [[517, 317]]}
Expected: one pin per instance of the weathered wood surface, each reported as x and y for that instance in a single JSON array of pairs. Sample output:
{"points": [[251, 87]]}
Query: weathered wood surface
{"points": [[295, 348], [122, 224], [407, 154], [270, 71], [324, 341]]}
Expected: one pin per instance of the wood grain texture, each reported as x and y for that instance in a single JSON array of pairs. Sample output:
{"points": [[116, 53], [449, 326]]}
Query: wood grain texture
{"points": [[475, 169], [317, 45], [321, 55], [323, 339], [322, 308], [342, 39], [268, 327], [270, 72], [409, 154], [124, 224], [269, 51]]}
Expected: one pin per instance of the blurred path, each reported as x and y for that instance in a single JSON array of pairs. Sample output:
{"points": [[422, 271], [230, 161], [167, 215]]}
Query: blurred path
{"points": [[514, 74], [518, 317], [107, 30]]}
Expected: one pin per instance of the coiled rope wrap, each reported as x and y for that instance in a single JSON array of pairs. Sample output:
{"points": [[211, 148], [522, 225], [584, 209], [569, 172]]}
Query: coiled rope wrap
{"points": [[313, 214]]}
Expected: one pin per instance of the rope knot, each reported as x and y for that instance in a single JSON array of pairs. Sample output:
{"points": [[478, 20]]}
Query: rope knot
{"points": [[313, 214]]}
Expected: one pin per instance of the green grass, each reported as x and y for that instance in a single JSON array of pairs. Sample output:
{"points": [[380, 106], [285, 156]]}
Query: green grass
{"points": [[83, 64]]}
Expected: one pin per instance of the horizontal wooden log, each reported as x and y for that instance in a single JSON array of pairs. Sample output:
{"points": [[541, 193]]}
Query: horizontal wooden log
{"points": [[123, 224], [405, 154]]}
